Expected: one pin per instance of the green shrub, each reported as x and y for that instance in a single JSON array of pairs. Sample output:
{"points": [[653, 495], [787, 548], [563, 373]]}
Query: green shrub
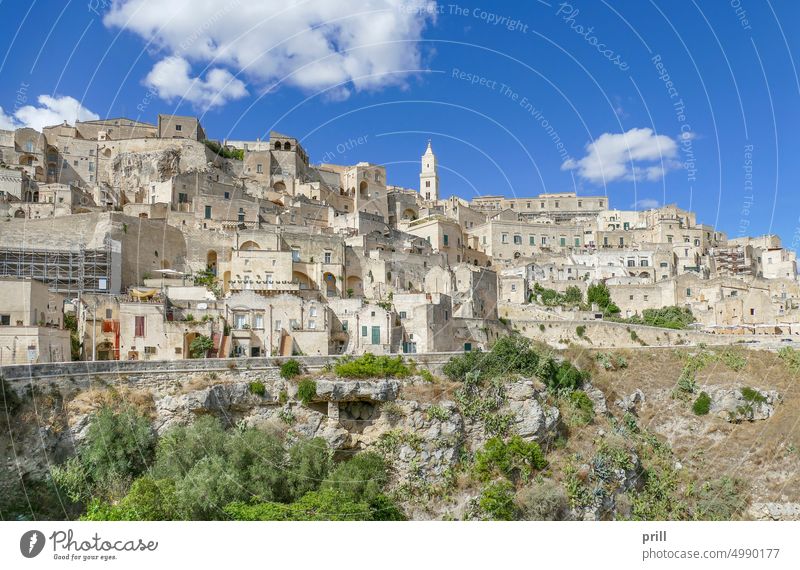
{"points": [[733, 359], [306, 390], [148, 500], [426, 375], [118, 447], [751, 395], [516, 459], [545, 501], [702, 404], [200, 346], [290, 369], [497, 501], [790, 357], [722, 499], [665, 317], [371, 366], [582, 406], [580, 330], [439, 413], [257, 388]]}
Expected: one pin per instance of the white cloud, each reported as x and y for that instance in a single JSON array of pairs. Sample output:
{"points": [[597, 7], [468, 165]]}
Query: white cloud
{"points": [[6, 121], [314, 44], [171, 80], [52, 111], [645, 204], [620, 156]]}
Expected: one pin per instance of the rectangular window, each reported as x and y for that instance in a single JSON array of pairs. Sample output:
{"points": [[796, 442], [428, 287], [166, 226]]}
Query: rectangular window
{"points": [[504, 238], [446, 239], [344, 326], [544, 240], [138, 326], [631, 263], [259, 168], [277, 325], [208, 212], [402, 314], [178, 127], [327, 257], [226, 195], [259, 321], [5, 320], [239, 320], [109, 312], [532, 240], [149, 349], [293, 324], [517, 240], [577, 242], [312, 324], [312, 312], [183, 198], [363, 330], [562, 241], [644, 263], [295, 255]]}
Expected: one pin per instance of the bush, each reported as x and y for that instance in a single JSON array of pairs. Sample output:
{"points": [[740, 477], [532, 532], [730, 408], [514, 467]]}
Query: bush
{"points": [[309, 463], [583, 406], [306, 390], [257, 388], [509, 355], [371, 366], [200, 346], [600, 295], [702, 404], [545, 501], [118, 447], [580, 330], [426, 375], [665, 317], [516, 459], [722, 499], [497, 501], [325, 505], [148, 500], [290, 369]]}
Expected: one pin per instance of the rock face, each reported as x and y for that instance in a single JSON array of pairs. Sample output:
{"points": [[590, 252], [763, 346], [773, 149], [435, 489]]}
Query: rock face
{"points": [[742, 404], [348, 390], [533, 420], [597, 397], [774, 511], [632, 402]]}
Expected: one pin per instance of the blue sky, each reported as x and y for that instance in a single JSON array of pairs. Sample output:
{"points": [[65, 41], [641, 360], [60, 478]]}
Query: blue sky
{"points": [[512, 94]]}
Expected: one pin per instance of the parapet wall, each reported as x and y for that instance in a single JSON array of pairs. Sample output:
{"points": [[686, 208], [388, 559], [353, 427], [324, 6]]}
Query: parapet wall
{"points": [[155, 373]]}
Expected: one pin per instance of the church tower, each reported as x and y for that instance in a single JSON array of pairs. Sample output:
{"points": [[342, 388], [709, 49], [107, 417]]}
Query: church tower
{"points": [[428, 176]]}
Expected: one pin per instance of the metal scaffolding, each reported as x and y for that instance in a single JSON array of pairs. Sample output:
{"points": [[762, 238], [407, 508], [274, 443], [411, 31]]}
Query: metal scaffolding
{"points": [[64, 270]]}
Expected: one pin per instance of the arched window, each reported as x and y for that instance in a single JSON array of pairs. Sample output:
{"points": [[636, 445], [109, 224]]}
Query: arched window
{"points": [[277, 145], [287, 146]]}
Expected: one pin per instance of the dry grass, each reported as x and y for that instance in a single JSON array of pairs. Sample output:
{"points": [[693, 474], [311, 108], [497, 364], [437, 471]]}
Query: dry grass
{"points": [[763, 452], [89, 401]]}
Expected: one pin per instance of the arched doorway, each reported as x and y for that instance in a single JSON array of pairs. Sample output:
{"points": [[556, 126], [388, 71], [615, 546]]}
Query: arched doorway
{"points": [[362, 189], [303, 279], [279, 186], [187, 342], [356, 285], [105, 350], [211, 261], [19, 213], [330, 284]]}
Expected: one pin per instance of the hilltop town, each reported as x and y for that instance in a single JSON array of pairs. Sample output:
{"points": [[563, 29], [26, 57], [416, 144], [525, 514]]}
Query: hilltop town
{"points": [[124, 240]]}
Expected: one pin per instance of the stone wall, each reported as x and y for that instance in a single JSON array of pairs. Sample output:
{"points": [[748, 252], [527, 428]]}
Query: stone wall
{"points": [[144, 374]]}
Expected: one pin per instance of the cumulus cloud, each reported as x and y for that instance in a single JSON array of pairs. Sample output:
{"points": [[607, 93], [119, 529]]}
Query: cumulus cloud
{"points": [[314, 44], [645, 204], [6, 121], [171, 79], [624, 156], [49, 111]]}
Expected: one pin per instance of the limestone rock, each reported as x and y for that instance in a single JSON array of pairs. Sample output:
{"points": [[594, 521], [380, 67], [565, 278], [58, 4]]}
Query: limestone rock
{"points": [[730, 404], [345, 390], [774, 511], [597, 397], [632, 402]]}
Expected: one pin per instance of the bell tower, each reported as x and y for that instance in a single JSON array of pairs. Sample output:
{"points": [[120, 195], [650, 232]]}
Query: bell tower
{"points": [[428, 176]]}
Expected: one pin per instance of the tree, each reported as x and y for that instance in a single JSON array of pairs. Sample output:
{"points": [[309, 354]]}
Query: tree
{"points": [[600, 295], [200, 346], [118, 447]]}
